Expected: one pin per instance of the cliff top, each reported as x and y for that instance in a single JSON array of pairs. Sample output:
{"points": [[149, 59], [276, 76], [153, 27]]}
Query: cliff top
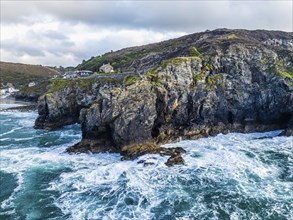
{"points": [[204, 43]]}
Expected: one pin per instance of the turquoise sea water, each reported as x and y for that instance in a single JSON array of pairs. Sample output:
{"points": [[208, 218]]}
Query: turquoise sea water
{"points": [[234, 176]]}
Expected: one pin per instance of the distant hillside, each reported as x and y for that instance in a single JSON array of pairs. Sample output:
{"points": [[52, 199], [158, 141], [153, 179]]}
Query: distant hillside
{"points": [[21, 74], [206, 43]]}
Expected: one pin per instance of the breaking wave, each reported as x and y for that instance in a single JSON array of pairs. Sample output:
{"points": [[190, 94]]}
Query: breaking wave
{"points": [[234, 176]]}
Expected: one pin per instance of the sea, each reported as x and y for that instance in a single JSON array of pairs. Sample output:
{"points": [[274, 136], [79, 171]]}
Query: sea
{"points": [[232, 176]]}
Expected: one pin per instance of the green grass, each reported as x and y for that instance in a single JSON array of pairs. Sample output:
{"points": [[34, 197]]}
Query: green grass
{"points": [[199, 77], [194, 52], [177, 61], [285, 74], [87, 83], [228, 37], [153, 76], [212, 80], [118, 60], [207, 67], [231, 36], [283, 70], [84, 84], [202, 74], [38, 89], [129, 80], [123, 60], [57, 85]]}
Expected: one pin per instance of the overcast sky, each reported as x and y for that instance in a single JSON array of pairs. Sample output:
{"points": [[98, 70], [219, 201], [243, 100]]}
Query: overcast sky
{"points": [[66, 32]]}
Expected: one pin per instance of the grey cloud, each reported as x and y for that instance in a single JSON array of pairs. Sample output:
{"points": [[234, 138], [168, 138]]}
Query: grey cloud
{"points": [[15, 11], [91, 48], [34, 52], [21, 49], [50, 41], [55, 35], [189, 16], [70, 21], [48, 35], [36, 44]]}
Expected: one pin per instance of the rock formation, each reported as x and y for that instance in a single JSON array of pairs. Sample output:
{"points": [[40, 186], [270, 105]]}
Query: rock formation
{"points": [[227, 80]]}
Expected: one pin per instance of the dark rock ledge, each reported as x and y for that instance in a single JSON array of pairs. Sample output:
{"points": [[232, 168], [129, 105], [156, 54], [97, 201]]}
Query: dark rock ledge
{"points": [[25, 108], [289, 130], [133, 152]]}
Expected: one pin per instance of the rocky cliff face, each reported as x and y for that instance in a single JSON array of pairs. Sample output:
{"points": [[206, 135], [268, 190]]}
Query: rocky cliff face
{"points": [[235, 85], [62, 103]]}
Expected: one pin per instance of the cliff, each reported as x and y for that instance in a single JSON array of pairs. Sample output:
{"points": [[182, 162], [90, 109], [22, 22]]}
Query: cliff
{"points": [[235, 80]]}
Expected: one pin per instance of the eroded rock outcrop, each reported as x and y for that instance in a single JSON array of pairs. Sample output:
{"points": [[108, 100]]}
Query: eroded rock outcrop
{"points": [[236, 85], [62, 104], [289, 130]]}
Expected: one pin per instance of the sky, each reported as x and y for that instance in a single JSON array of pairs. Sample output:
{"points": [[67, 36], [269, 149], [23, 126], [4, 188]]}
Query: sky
{"points": [[63, 33]]}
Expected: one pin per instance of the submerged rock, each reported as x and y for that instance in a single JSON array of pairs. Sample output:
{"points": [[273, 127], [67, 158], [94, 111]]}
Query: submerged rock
{"points": [[134, 151], [24, 108], [175, 160], [289, 130]]}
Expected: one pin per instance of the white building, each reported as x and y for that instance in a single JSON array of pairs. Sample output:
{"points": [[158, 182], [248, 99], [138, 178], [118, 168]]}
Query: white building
{"points": [[31, 84], [69, 75], [106, 68], [77, 74], [84, 73]]}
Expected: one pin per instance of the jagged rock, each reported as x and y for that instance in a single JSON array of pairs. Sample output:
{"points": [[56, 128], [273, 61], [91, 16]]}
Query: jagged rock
{"points": [[26, 97], [289, 130], [93, 146], [134, 151], [240, 83], [25, 108], [62, 104], [175, 160]]}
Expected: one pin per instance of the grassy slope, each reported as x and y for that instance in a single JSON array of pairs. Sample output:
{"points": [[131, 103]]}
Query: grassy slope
{"points": [[206, 42], [22, 74], [123, 59]]}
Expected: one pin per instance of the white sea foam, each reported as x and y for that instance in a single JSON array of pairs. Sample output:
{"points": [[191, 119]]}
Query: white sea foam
{"points": [[220, 159], [9, 132], [228, 174], [9, 203]]}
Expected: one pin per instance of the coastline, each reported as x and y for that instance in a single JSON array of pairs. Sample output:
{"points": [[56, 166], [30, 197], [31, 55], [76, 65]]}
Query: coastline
{"points": [[227, 171], [18, 105]]}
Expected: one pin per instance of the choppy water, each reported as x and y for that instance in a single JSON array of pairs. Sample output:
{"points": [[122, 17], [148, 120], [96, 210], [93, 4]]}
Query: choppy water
{"points": [[234, 176]]}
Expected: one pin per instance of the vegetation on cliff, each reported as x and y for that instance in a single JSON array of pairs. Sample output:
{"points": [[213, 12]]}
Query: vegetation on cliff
{"points": [[195, 45], [34, 92]]}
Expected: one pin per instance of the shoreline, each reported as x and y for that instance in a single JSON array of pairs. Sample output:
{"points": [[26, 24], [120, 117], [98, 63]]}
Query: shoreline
{"points": [[22, 106]]}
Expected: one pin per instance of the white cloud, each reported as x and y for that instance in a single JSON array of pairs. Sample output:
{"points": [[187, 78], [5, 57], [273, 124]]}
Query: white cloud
{"points": [[69, 46], [66, 32]]}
